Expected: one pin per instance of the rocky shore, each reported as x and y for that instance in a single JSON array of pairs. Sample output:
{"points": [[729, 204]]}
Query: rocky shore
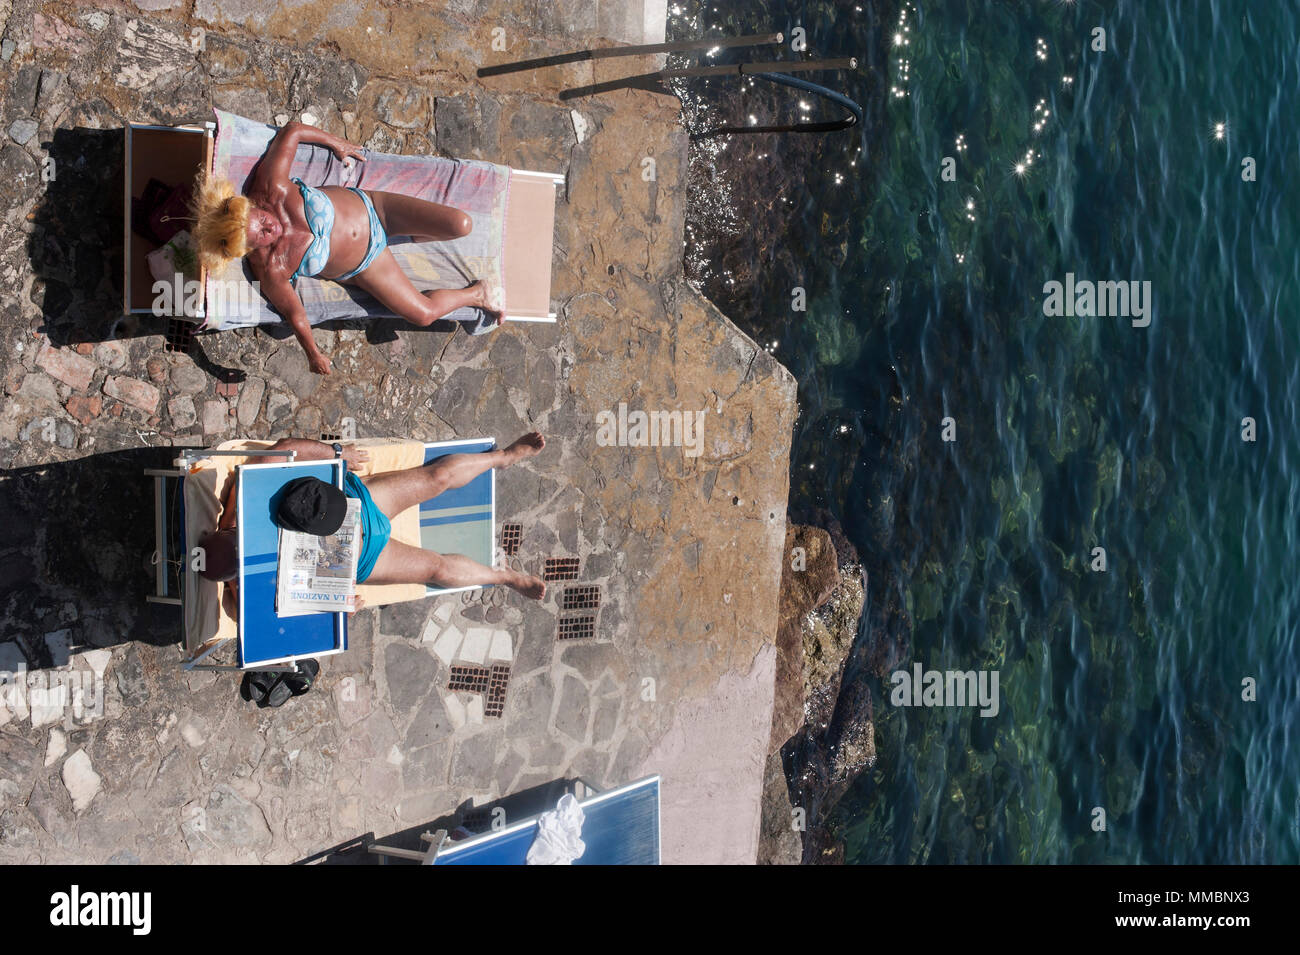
{"points": [[757, 201], [823, 588]]}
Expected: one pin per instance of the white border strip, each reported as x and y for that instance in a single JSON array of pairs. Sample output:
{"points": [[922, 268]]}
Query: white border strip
{"points": [[549, 319], [555, 177]]}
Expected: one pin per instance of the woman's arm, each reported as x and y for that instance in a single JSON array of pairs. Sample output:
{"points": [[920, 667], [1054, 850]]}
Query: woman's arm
{"points": [[273, 171], [285, 300], [302, 331]]}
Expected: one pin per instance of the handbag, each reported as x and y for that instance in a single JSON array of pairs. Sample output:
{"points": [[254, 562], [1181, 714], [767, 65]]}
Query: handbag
{"points": [[162, 211]]}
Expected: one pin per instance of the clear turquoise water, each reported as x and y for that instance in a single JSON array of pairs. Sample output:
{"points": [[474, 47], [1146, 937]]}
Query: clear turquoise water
{"points": [[1120, 690]]}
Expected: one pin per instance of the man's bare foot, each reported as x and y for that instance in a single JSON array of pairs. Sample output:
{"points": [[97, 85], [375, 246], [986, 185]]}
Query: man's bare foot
{"points": [[527, 585], [525, 447], [487, 298]]}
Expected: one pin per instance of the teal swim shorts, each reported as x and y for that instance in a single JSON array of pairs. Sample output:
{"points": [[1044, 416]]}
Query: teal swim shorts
{"points": [[375, 526]]}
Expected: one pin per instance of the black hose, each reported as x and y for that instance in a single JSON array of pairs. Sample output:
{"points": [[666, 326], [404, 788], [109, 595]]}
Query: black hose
{"points": [[854, 117]]}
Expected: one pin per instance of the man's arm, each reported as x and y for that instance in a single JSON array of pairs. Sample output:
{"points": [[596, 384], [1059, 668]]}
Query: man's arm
{"points": [[308, 450], [228, 509]]}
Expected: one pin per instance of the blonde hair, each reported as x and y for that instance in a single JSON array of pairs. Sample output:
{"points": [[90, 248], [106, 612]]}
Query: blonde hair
{"points": [[220, 221]]}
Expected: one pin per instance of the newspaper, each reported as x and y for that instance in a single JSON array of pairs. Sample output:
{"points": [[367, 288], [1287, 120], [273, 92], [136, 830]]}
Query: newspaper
{"points": [[319, 574]]}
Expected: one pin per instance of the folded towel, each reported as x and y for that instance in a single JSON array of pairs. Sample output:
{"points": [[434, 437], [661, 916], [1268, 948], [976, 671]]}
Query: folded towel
{"points": [[178, 255]]}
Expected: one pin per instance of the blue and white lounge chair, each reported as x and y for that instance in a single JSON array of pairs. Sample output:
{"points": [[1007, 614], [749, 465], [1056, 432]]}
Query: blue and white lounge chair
{"points": [[620, 827], [461, 521]]}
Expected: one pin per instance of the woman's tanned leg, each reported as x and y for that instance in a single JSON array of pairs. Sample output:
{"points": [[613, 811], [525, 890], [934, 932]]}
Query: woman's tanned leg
{"points": [[419, 218], [386, 281]]}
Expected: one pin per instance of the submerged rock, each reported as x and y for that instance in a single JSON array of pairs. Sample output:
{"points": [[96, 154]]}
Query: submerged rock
{"points": [[828, 634], [809, 576]]}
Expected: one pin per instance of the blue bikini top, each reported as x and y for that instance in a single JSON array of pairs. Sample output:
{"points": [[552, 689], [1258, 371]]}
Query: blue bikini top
{"points": [[319, 211]]}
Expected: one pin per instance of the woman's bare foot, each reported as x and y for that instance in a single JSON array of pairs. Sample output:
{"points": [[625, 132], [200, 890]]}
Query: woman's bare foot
{"points": [[525, 447], [487, 298], [531, 587]]}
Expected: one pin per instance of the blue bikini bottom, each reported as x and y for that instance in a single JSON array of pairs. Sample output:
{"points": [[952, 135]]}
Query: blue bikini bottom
{"points": [[378, 238]]}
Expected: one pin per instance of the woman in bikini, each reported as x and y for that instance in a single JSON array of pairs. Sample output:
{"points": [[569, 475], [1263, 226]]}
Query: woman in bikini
{"points": [[287, 228]]}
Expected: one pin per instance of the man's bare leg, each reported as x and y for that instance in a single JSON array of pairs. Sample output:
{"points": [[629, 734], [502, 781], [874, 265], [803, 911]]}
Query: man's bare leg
{"points": [[395, 491], [403, 564]]}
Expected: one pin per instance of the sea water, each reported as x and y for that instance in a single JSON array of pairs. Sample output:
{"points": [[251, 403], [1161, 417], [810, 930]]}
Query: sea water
{"points": [[1148, 710]]}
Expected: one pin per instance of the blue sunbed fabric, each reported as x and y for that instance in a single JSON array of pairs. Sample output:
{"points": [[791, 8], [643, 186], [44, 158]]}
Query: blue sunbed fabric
{"points": [[459, 521], [263, 635]]}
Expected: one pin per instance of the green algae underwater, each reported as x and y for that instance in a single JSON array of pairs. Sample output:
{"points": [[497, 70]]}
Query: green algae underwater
{"points": [[1121, 690]]}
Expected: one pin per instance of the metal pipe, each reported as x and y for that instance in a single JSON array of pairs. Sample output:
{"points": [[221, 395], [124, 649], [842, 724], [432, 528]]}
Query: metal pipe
{"points": [[644, 49], [742, 69], [654, 81]]}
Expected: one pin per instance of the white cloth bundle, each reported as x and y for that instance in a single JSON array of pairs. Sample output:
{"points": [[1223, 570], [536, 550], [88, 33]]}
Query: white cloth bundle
{"points": [[559, 832]]}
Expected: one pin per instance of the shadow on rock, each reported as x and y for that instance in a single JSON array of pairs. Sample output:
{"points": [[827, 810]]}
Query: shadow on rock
{"points": [[76, 244]]}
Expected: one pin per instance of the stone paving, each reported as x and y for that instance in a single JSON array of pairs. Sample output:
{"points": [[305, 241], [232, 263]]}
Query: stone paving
{"points": [[110, 752]]}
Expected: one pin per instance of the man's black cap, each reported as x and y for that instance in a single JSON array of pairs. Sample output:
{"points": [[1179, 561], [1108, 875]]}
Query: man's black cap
{"points": [[311, 506]]}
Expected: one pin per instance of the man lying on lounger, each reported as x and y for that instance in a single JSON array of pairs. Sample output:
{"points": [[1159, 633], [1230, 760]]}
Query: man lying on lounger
{"points": [[382, 496]]}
